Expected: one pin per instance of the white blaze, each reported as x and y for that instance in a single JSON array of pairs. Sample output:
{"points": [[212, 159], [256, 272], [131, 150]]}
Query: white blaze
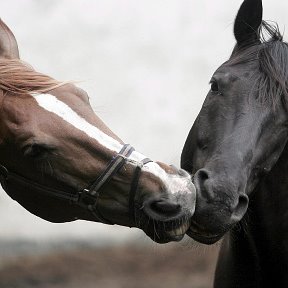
{"points": [[54, 105], [61, 109]]}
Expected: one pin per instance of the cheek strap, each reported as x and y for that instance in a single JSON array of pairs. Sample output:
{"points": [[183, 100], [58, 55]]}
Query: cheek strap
{"points": [[134, 186]]}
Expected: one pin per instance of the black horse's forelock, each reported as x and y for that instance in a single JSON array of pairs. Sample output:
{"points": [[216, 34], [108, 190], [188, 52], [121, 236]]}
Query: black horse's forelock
{"points": [[271, 52]]}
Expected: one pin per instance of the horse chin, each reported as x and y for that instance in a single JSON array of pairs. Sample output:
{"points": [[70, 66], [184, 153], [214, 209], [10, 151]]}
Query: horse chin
{"points": [[203, 236], [166, 238], [204, 239]]}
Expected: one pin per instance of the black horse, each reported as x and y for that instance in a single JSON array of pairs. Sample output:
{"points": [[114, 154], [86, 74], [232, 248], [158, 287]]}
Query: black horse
{"points": [[238, 150]]}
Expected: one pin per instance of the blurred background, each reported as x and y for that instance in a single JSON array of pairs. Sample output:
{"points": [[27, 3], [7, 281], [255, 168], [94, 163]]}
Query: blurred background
{"points": [[153, 59]]}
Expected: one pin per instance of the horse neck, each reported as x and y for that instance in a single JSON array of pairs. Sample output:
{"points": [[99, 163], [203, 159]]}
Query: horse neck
{"points": [[258, 248], [270, 201]]}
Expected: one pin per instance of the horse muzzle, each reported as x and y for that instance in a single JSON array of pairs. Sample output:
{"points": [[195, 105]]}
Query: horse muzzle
{"points": [[220, 205], [167, 218]]}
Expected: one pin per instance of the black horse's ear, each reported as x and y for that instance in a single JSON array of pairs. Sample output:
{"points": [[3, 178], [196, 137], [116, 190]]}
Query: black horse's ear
{"points": [[248, 21]]}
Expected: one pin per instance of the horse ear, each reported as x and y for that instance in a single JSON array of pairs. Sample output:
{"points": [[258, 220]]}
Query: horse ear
{"points": [[8, 43], [248, 21]]}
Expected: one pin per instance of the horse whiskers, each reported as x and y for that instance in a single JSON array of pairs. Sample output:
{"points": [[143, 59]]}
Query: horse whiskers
{"points": [[155, 230], [46, 168], [139, 218], [50, 167], [154, 238], [41, 168]]}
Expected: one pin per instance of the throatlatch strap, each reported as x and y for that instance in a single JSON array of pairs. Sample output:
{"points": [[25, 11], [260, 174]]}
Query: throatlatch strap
{"points": [[9, 179]]}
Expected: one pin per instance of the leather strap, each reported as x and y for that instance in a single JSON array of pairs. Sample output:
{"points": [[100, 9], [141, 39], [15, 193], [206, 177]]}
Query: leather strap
{"points": [[134, 186], [88, 197]]}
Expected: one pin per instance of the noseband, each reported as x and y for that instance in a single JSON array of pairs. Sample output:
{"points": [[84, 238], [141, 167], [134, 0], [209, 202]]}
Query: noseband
{"points": [[88, 197]]}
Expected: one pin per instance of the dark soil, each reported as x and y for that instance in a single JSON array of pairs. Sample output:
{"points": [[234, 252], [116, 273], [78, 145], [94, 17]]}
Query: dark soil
{"points": [[124, 267]]}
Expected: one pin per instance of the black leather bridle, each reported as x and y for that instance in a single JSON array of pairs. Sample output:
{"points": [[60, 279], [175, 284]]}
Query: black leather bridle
{"points": [[88, 197]]}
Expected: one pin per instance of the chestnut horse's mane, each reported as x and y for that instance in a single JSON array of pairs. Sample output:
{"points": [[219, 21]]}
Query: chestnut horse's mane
{"points": [[18, 77]]}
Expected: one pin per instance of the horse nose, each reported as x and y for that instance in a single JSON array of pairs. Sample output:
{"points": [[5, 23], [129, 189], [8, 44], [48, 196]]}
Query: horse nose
{"points": [[162, 208], [208, 190]]}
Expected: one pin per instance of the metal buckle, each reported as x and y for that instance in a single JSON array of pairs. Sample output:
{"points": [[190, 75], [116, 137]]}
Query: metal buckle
{"points": [[86, 200]]}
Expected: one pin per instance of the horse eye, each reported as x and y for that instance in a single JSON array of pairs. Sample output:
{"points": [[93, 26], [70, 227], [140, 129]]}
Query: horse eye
{"points": [[214, 87], [36, 151]]}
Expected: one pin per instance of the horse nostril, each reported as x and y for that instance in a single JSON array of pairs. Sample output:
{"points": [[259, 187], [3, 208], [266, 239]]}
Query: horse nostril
{"points": [[203, 185], [165, 207], [241, 207], [202, 175]]}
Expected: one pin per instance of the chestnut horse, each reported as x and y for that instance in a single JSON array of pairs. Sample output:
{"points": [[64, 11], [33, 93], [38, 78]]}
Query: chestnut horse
{"points": [[60, 161], [238, 150]]}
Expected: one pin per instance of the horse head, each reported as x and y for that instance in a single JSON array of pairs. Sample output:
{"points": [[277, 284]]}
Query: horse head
{"points": [[62, 163], [241, 129]]}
